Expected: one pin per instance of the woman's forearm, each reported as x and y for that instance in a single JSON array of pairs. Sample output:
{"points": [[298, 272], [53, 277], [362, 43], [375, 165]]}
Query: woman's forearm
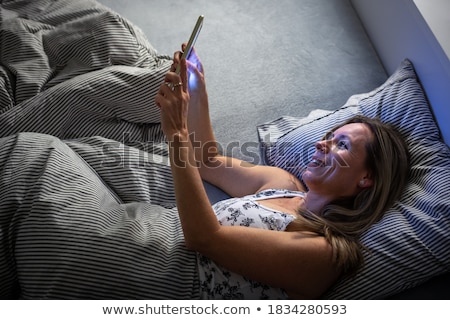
{"points": [[199, 122], [200, 129], [196, 215]]}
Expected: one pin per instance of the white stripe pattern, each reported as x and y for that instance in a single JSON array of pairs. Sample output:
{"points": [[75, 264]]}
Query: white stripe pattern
{"points": [[87, 208]]}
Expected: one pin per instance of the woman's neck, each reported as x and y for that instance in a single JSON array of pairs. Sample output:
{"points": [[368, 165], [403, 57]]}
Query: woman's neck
{"points": [[315, 202]]}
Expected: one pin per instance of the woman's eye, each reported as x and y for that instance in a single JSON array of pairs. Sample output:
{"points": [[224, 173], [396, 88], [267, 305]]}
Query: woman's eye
{"points": [[342, 145]]}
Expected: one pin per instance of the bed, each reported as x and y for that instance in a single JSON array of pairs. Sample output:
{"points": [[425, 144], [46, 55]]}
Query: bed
{"points": [[85, 175]]}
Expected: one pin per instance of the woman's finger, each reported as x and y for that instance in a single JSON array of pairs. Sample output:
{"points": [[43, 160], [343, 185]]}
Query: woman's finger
{"points": [[177, 56], [193, 68], [184, 75], [162, 94], [196, 60], [176, 60], [159, 99], [172, 77]]}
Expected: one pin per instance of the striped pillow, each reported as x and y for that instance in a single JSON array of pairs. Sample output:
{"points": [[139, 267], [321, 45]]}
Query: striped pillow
{"points": [[410, 244]]}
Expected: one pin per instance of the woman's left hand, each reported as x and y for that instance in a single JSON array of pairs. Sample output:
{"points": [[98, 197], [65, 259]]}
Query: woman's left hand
{"points": [[173, 101]]}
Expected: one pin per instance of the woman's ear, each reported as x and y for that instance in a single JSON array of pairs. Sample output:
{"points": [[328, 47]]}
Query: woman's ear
{"points": [[365, 183]]}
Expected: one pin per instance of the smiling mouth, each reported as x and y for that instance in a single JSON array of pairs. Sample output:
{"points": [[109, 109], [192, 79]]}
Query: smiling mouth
{"points": [[317, 163]]}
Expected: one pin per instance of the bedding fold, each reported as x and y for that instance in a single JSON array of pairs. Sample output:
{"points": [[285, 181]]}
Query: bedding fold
{"points": [[74, 228], [87, 208], [76, 69]]}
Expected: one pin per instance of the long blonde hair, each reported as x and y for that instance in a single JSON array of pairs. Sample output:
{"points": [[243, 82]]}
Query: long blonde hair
{"points": [[342, 222]]}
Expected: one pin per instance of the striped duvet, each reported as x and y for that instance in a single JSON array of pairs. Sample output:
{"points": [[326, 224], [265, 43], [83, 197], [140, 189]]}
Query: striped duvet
{"points": [[87, 208]]}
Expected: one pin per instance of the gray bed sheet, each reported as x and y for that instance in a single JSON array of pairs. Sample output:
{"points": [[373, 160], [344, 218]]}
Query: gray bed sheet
{"points": [[264, 59]]}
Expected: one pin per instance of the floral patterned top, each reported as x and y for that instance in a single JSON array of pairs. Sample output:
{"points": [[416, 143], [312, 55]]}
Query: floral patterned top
{"points": [[219, 283]]}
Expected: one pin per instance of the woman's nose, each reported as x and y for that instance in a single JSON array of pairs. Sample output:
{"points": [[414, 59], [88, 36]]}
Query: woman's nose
{"points": [[322, 146]]}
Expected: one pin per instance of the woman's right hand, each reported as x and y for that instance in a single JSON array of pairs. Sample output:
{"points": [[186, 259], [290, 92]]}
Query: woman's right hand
{"points": [[196, 77], [199, 122]]}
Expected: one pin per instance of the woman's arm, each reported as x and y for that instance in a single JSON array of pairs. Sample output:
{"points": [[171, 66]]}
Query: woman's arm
{"points": [[196, 215], [234, 176], [198, 119], [298, 262]]}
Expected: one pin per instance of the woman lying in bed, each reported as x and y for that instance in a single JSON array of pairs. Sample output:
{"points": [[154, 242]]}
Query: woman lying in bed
{"points": [[301, 238]]}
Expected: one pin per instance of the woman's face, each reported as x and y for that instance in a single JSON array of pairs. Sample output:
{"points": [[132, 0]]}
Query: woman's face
{"points": [[337, 168]]}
